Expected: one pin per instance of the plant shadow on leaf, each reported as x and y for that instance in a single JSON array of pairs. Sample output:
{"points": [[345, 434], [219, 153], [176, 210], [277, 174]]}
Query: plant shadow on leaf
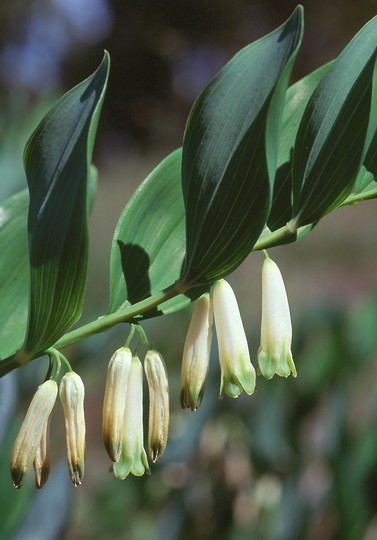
{"points": [[136, 263], [135, 268]]}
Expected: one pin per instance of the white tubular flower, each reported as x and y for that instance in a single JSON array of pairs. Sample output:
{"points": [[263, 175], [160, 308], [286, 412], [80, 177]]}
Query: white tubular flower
{"points": [[72, 394], [133, 458], [196, 354], [114, 403], [158, 386], [42, 458], [274, 355], [237, 372], [31, 431]]}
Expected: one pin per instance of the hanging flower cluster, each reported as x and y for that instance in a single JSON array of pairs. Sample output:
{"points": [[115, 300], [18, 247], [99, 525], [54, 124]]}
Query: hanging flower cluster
{"points": [[122, 424], [237, 372], [32, 443]]}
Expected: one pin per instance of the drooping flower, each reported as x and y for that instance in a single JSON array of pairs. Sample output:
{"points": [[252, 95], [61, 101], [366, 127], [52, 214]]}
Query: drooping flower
{"points": [[237, 371], [42, 457], [196, 354], [158, 428], [72, 393], [114, 403], [274, 355], [28, 439], [133, 458]]}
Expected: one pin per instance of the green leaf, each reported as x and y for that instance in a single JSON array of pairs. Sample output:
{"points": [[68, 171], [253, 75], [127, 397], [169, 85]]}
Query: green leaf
{"points": [[371, 157], [14, 268], [297, 97], [14, 273], [365, 181], [149, 242], [229, 153], [330, 142], [57, 162]]}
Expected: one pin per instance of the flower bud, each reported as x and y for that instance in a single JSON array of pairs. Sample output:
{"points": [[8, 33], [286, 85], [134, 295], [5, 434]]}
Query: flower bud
{"points": [[274, 355], [72, 394], [196, 354], [31, 431], [155, 371], [42, 458], [114, 402], [237, 372], [133, 458]]}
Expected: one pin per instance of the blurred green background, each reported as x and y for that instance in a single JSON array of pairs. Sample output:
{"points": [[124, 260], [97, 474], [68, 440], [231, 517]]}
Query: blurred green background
{"points": [[298, 459]]}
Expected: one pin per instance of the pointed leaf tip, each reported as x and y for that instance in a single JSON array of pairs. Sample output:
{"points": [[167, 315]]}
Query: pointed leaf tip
{"points": [[57, 161]]}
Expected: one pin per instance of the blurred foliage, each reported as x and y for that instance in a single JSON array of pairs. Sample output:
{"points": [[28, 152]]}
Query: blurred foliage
{"points": [[163, 53]]}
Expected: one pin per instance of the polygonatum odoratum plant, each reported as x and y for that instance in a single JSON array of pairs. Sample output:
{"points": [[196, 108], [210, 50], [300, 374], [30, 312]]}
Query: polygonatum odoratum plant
{"points": [[261, 164]]}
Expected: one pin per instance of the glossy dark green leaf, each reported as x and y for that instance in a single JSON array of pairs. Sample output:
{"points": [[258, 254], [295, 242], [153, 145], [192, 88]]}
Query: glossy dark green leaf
{"points": [[297, 97], [149, 242], [331, 138], [371, 157], [57, 162], [14, 268], [229, 153]]}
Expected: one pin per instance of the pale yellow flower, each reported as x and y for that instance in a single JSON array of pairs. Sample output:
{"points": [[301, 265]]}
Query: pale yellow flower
{"points": [[28, 439], [274, 355], [72, 393], [237, 372], [158, 428], [114, 402], [133, 458], [196, 354], [42, 457]]}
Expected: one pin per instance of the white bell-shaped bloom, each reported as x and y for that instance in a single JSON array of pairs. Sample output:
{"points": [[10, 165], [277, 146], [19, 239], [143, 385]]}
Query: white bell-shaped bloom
{"points": [[133, 458], [158, 427], [32, 429], [196, 353], [237, 371], [274, 355], [72, 393], [114, 403]]}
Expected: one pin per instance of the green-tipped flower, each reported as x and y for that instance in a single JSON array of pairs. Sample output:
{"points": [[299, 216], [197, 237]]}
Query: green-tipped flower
{"points": [[31, 431], [237, 371], [42, 457], [72, 394], [114, 402], [158, 386], [196, 353], [133, 458], [274, 355]]}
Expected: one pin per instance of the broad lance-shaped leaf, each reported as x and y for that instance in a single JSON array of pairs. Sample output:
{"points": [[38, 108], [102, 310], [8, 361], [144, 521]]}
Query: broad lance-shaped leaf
{"points": [[366, 181], [330, 145], [14, 268], [57, 162], [230, 150], [149, 241], [296, 99]]}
